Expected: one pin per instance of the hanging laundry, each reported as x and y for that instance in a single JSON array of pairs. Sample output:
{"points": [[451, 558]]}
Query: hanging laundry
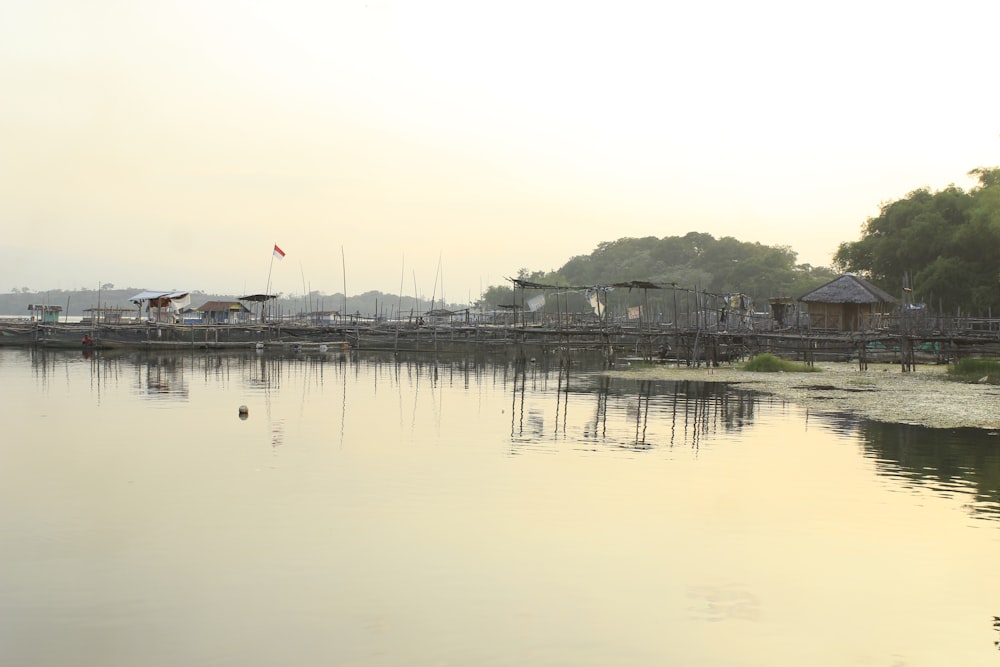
{"points": [[536, 302]]}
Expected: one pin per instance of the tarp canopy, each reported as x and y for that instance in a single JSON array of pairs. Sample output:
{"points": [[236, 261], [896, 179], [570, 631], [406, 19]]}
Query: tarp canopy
{"points": [[258, 298], [159, 299]]}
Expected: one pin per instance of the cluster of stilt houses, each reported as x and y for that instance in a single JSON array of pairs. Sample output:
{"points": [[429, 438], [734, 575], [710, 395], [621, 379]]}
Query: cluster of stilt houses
{"points": [[847, 318]]}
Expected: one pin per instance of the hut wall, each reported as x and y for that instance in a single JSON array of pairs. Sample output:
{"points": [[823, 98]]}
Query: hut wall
{"points": [[844, 316], [864, 317], [826, 315], [853, 317]]}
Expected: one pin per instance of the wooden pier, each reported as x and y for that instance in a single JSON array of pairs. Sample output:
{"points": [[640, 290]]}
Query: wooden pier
{"points": [[645, 341]]}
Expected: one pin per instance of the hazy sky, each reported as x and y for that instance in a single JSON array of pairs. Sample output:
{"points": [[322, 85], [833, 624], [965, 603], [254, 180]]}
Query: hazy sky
{"points": [[169, 145]]}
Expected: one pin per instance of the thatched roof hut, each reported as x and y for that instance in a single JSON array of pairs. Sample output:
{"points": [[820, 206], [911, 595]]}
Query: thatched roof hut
{"points": [[847, 303]]}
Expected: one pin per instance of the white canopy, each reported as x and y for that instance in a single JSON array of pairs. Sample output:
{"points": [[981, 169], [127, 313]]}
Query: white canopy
{"points": [[177, 299]]}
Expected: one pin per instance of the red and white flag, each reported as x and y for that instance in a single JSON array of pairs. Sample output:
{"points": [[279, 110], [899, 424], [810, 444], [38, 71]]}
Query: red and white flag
{"points": [[278, 252]]}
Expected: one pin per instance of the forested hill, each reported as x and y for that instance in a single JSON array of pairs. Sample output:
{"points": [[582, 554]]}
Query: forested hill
{"points": [[695, 260]]}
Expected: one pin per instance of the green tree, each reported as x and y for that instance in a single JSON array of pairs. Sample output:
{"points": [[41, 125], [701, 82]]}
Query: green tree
{"points": [[696, 260], [945, 243], [496, 296]]}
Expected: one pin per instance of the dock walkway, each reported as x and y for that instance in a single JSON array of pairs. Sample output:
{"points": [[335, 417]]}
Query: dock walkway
{"points": [[650, 341]]}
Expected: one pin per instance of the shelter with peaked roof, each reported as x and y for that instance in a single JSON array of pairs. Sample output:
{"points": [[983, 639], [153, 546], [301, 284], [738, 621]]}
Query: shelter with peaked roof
{"points": [[223, 312], [847, 303]]}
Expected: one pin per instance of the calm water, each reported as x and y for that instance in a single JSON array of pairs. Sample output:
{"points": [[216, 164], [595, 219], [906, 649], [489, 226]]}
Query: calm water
{"points": [[436, 511]]}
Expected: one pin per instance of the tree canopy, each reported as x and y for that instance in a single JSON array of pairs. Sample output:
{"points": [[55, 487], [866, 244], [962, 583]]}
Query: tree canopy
{"points": [[943, 245], [696, 261]]}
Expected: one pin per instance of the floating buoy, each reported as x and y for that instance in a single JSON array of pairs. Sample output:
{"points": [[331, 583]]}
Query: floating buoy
{"points": [[322, 347], [244, 412], [259, 347]]}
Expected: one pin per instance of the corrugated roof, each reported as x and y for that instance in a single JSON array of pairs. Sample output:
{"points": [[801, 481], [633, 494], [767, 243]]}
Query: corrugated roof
{"points": [[848, 289]]}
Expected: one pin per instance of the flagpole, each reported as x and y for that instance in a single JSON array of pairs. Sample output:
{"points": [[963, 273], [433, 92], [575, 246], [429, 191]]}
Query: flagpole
{"points": [[270, 266], [267, 289], [343, 263]]}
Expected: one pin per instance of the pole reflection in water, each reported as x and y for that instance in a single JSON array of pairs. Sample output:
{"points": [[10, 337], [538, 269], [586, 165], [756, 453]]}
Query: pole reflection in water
{"points": [[634, 414]]}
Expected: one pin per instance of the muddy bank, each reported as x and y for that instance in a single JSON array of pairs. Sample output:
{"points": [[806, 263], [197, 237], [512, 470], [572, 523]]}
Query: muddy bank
{"points": [[883, 392]]}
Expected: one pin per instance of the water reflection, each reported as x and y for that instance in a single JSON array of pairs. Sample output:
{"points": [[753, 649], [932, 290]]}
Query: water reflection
{"points": [[949, 462], [161, 376], [415, 509], [554, 401], [622, 413]]}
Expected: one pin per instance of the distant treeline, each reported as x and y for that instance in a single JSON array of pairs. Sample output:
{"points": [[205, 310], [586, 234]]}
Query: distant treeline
{"points": [[76, 302]]}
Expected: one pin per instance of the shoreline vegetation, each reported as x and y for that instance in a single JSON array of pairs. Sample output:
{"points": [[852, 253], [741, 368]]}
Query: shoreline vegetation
{"points": [[769, 363], [929, 396], [980, 371]]}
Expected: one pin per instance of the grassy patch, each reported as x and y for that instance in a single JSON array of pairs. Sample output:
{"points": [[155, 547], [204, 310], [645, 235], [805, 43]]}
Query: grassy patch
{"points": [[768, 363], [975, 370]]}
